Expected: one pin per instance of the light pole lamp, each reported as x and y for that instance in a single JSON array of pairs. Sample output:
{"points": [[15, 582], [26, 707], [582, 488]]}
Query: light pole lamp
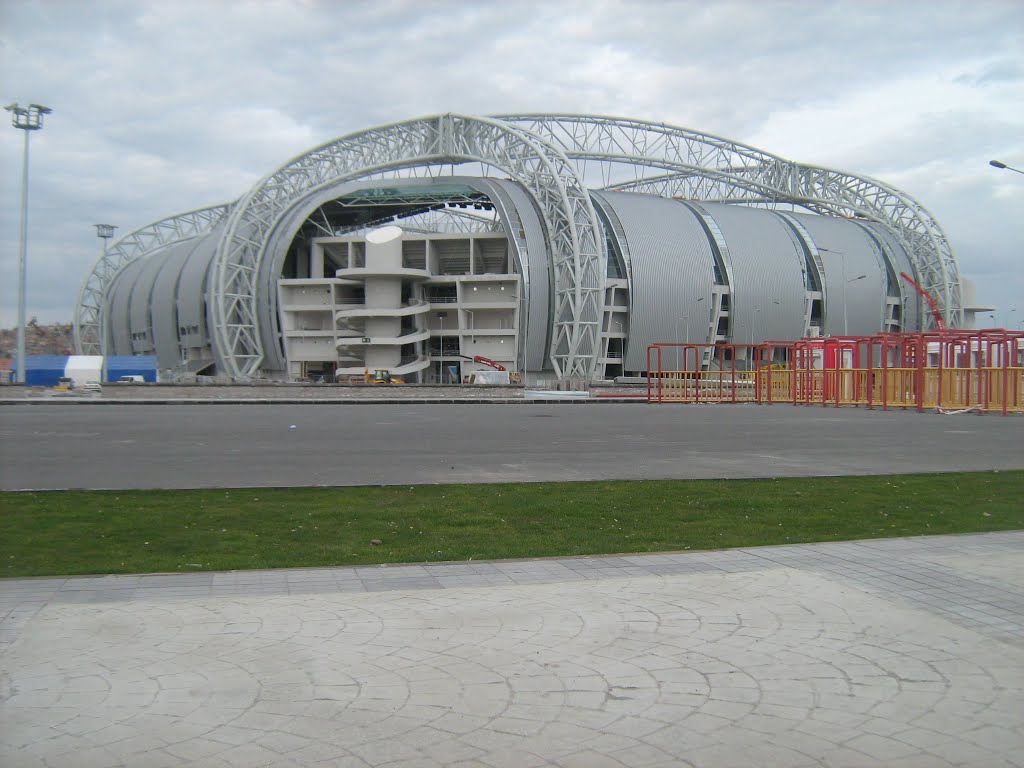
{"points": [[26, 119], [440, 347], [104, 232], [753, 322], [1004, 166], [698, 301], [828, 306], [846, 329]]}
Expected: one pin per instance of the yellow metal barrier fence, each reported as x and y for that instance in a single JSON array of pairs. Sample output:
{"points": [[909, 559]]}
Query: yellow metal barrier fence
{"points": [[922, 384]]}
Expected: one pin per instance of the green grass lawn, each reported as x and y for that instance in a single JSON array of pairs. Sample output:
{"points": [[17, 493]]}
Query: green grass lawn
{"points": [[80, 532]]}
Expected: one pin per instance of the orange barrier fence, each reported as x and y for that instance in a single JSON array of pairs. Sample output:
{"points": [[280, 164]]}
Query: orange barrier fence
{"points": [[980, 371]]}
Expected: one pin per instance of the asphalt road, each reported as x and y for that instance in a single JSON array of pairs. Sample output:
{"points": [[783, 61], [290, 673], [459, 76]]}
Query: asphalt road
{"points": [[208, 445]]}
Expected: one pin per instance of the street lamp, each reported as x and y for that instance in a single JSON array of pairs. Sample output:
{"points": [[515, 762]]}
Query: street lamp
{"points": [[753, 325], [1004, 166], [698, 301], [104, 232], [440, 354], [686, 319], [842, 262], [27, 119], [846, 329]]}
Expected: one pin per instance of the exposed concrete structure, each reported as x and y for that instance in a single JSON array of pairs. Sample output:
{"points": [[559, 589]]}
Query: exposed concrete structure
{"points": [[418, 305]]}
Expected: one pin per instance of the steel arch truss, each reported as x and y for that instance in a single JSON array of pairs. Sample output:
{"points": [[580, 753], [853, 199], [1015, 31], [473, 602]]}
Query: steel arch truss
{"points": [[90, 307], [576, 246], [450, 221], [703, 167]]}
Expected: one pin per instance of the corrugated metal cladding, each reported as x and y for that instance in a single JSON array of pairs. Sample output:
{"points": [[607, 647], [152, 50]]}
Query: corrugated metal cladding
{"points": [[848, 252], [120, 294], [768, 280], [192, 288], [164, 305], [673, 267], [139, 317], [147, 295], [535, 326], [899, 259]]}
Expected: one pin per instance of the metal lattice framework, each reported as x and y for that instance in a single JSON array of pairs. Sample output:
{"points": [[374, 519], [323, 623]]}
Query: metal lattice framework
{"points": [[709, 168], [576, 247], [450, 221], [555, 158], [89, 309]]}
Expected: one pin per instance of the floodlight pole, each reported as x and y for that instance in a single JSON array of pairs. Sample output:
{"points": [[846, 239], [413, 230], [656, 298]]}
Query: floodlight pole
{"points": [[1005, 167], [105, 232], [27, 119]]}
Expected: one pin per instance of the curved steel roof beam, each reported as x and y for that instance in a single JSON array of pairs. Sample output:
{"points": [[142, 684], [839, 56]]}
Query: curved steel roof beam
{"points": [[576, 245], [89, 307], [590, 138]]}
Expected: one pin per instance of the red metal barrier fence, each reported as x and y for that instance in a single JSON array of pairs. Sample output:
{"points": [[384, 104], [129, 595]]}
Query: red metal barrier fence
{"points": [[980, 371]]}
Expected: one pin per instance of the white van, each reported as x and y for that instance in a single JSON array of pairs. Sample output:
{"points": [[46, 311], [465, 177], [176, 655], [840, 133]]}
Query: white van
{"points": [[131, 380]]}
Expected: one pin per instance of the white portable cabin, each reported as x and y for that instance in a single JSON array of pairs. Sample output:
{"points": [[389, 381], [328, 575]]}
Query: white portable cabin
{"points": [[83, 368]]}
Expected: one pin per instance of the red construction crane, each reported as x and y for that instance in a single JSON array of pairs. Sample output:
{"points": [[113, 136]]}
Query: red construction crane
{"points": [[486, 361], [933, 305]]}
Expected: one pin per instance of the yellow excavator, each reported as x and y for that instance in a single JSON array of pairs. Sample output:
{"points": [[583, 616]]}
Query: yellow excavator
{"points": [[381, 376]]}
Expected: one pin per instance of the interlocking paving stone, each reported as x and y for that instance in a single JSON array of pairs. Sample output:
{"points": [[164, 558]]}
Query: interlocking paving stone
{"points": [[904, 652]]}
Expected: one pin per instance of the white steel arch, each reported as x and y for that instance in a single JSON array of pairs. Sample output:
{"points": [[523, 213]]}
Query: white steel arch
{"points": [[576, 247], [90, 306], [714, 169]]}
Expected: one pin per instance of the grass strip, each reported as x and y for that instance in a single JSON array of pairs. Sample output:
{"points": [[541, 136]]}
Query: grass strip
{"points": [[89, 532]]}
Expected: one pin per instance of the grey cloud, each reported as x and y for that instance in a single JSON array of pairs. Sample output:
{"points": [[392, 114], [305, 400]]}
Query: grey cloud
{"points": [[162, 107], [998, 72]]}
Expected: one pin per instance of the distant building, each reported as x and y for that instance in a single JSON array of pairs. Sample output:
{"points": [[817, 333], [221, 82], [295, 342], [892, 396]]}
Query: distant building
{"points": [[557, 246]]}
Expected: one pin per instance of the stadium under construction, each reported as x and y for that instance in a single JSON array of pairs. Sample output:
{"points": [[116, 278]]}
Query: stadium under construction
{"points": [[558, 247]]}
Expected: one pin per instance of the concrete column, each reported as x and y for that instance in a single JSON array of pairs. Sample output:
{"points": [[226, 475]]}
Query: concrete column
{"points": [[383, 254]]}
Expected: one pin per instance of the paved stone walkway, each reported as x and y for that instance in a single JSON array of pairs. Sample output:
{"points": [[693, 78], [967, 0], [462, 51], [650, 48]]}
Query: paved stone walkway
{"points": [[901, 652]]}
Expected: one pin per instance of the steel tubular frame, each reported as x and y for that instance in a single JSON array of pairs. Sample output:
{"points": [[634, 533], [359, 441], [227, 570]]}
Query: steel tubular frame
{"points": [[577, 249], [713, 169], [551, 155], [90, 305]]}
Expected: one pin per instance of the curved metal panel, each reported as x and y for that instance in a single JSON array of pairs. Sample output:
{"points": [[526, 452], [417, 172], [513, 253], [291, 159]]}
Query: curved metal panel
{"points": [[88, 318], [119, 292], [164, 303], [538, 285], [912, 313], [139, 305], [767, 274], [854, 273], [672, 269], [615, 233], [191, 299]]}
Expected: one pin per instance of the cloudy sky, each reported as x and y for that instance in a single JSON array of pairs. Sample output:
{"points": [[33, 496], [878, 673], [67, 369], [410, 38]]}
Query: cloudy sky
{"points": [[164, 106]]}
